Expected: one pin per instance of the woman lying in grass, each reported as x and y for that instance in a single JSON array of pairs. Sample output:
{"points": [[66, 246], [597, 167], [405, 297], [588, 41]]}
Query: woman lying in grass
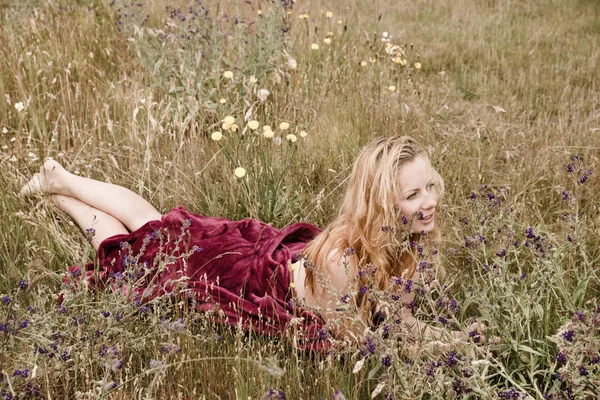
{"points": [[273, 281]]}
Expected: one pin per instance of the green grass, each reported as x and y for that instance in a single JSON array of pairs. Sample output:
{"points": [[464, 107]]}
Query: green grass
{"points": [[506, 94]]}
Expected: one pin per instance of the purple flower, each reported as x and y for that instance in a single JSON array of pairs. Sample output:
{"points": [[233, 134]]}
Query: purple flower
{"points": [[23, 284], [364, 289], [345, 298], [408, 286], [272, 394], [386, 361], [583, 371], [24, 323], [6, 300], [568, 335], [452, 359], [561, 357]]}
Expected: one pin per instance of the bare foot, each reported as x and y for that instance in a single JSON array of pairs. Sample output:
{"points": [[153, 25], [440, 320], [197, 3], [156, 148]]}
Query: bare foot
{"points": [[45, 181]]}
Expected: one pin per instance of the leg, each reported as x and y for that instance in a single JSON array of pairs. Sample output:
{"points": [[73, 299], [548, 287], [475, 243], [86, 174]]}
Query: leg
{"points": [[124, 205], [95, 223]]}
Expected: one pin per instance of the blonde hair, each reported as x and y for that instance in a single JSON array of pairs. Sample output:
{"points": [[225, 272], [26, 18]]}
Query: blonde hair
{"points": [[368, 222]]}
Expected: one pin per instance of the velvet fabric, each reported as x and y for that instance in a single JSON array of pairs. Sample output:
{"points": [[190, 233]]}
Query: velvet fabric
{"points": [[237, 268]]}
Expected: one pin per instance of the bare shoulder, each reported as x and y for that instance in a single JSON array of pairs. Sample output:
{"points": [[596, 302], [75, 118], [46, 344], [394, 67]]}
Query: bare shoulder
{"points": [[333, 281]]}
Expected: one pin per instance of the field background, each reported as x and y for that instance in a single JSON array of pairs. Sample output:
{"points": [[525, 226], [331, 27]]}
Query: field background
{"points": [[501, 92]]}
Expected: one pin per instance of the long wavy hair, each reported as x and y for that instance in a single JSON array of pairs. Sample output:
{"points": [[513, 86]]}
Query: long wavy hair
{"points": [[369, 223]]}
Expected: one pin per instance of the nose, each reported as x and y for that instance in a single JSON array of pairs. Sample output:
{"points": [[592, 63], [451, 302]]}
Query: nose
{"points": [[430, 201]]}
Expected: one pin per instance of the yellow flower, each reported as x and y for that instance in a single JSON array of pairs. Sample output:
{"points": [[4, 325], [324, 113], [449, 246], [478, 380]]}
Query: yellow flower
{"points": [[222, 101], [303, 134], [216, 136], [239, 172], [418, 65], [314, 46], [291, 138], [268, 134], [397, 60], [372, 60], [283, 126], [329, 14], [259, 12], [363, 63], [303, 16], [253, 125], [327, 40], [339, 21], [234, 127], [229, 120], [253, 79], [225, 126], [228, 74], [267, 128], [392, 88]]}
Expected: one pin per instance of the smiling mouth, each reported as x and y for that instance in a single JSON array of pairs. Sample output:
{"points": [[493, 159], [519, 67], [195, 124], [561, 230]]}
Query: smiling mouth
{"points": [[427, 218]]}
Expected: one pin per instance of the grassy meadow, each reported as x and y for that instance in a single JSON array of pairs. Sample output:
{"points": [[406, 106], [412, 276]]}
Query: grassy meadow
{"points": [[502, 93]]}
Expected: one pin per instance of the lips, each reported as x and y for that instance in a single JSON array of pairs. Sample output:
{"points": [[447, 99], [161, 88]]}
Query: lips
{"points": [[427, 218]]}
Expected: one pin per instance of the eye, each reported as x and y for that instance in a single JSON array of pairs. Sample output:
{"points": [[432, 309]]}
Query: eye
{"points": [[411, 196]]}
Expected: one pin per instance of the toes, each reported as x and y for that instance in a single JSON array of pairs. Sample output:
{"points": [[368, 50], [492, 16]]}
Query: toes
{"points": [[33, 187]]}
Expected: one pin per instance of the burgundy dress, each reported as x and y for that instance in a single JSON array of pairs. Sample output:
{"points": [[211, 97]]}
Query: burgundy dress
{"points": [[237, 267]]}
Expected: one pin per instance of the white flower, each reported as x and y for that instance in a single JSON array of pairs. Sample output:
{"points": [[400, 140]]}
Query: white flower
{"points": [[329, 14], [392, 88], [292, 63], [268, 134], [216, 136], [239, 172], [253, 125], [327, 40], [303, 134], [385, 34], [262, 95], [314, 46], [4, 130], [229, 120], [19, 106], [253, 79], [291, 138], [228, 74], [284, 125], [222, 101]]}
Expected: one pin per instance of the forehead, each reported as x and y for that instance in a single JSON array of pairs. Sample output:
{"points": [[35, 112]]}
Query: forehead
{"points": [[415, 173]]}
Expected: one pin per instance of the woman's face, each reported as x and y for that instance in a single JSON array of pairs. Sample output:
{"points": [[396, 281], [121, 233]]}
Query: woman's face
{"points": [[418, 195]]}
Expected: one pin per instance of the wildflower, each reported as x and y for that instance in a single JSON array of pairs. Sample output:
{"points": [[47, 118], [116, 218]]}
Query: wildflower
{"points": [[392, 88], [259, 12], [228, 74], [339, 395], [339, 21], [234, 127], [267, 133], [253, 79], [583, 371], [372, 60], [292, 63], [6, 300], [284, 125], [222, 101], [386, 361], [561, 357], [24, 324], [314, 46], [89, 234], [363, 63], [228, 120], [216, 136], [303, 16], [272, 394], [23, 284], [418, 65], [239, 172], [327, 40], [364, 289], [262, 95], [569, 167], [19, 106], [303, 134], [4, 130], [568, 335], [291, 138], [452, 359], [345, 298], [253, 125], [329, 14]]}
